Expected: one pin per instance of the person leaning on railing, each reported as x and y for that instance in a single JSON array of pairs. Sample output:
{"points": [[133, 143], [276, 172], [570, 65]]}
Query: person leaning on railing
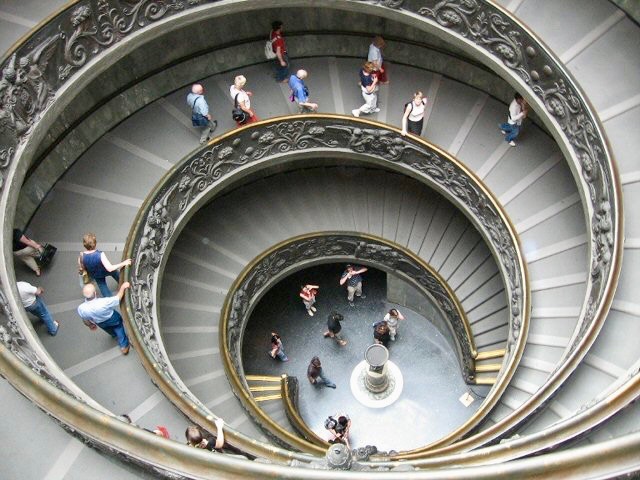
{"points": [[197, 439], [97, 265]]}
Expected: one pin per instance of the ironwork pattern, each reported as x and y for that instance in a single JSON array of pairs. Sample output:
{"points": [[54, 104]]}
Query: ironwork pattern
{"points": [[268, 270], [196, 179], [516, 49], [197, 174], [33, 73]]}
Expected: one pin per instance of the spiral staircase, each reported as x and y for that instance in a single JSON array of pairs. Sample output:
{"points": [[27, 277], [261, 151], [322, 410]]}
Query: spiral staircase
{"points": [[570, 400]]}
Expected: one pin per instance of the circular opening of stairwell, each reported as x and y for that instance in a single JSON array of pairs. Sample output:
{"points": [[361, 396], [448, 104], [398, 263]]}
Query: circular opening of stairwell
{"points": [[425, 408]]}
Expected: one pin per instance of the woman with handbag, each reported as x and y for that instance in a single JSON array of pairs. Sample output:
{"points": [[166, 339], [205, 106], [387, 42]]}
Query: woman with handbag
{"points": [[97, 266], [242, 112]]}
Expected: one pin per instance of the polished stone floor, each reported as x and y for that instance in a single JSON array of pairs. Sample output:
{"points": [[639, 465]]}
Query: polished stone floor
{"points": [[428, 407]]}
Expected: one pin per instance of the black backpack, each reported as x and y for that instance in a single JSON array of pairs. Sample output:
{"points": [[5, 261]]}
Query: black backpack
{"points": [[237, 113]]}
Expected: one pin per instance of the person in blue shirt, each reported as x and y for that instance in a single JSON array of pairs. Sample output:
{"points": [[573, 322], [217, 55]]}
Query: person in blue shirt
{"points": [[200, 116], [369, 87], [300, 92], [101, 312]]}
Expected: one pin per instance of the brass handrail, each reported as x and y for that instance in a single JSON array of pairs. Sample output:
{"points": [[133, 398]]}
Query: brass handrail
{"points": [[197, 179], [287, 385], [604, 166], [316, 245]]}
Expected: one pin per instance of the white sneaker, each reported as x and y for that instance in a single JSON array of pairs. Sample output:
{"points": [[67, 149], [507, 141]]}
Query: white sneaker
{"points": [[355, 113], [310, 313], [512, 143], [376, 110]]}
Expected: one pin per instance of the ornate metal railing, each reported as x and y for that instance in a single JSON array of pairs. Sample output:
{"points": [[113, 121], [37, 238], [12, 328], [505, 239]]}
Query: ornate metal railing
{"points": [[199, 177], [282, 259], [290, 389], [262, 273], [39, 72]]}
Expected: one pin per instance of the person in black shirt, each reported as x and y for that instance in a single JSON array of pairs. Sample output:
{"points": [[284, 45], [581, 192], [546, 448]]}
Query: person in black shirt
{"points": [[369, 87], [314, 374], [353, 278], [334, 328], [26, 250], [381, 333], [196, 438], [339, 426]]}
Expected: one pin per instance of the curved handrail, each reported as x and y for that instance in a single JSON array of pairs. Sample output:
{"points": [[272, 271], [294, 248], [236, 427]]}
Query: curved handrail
{"points": [[268, 268], [512, 47], [289, 255], [198, 178], [289, 388]]}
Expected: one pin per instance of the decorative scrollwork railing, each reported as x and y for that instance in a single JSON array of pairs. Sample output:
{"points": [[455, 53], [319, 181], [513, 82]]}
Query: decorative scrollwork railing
{"points": [[269, 268], [59, 52], [199, 177]]}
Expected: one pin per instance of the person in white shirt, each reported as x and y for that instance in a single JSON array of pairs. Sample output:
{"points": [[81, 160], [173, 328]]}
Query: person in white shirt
{"points": [[375, 57], [413, 117], [33, 304], [392, 318], [243, 98], [517, 113]]}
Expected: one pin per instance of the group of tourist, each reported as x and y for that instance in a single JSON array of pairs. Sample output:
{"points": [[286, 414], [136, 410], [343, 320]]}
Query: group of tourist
{"points": [[93, 269], [372, 74], [384, 332]]}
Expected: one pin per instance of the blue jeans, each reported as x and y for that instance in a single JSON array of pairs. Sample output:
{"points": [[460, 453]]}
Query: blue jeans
{"points": [[323, 381], [115, 328], [512, 131], [280, 355], [282, 73], [39, 309], [102, 283]]}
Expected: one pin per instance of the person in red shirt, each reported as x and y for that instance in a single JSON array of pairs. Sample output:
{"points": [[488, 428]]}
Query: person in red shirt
{"points": [[308, 295], [280, 49]]}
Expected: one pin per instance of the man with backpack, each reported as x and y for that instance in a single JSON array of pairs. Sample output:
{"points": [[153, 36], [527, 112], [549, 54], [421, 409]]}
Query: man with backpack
{"points": [[278, 52], [200, 116]]}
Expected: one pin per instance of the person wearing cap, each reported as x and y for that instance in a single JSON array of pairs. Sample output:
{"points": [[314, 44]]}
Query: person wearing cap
{"points": [[352, 276]]}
